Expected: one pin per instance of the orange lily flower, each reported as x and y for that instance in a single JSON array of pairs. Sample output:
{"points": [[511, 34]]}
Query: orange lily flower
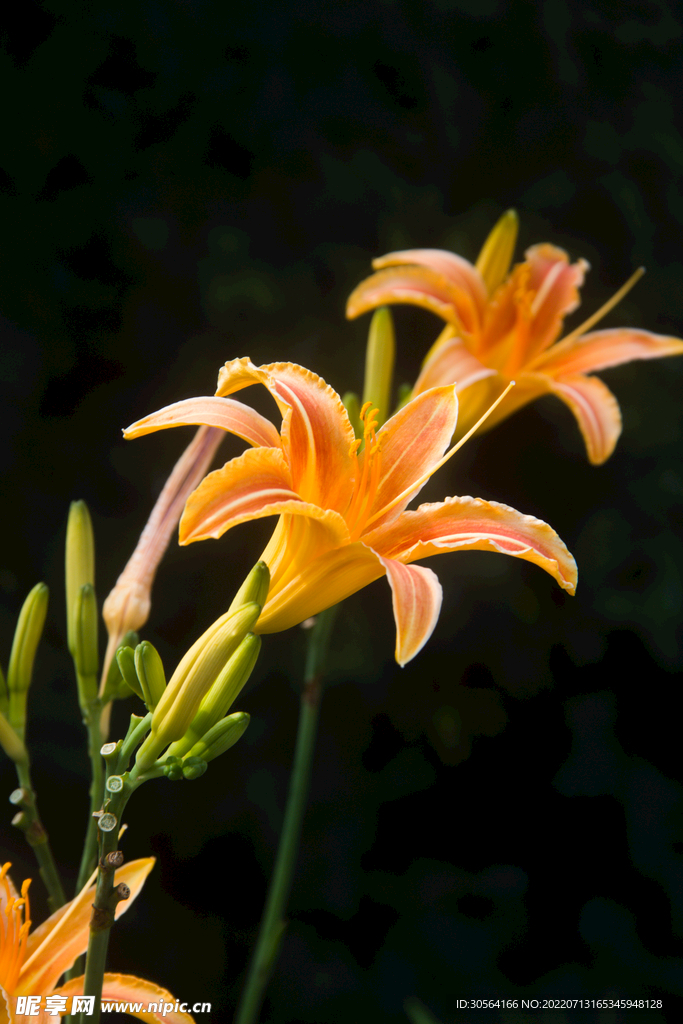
{"points": [[504, 325], [32, 962], [343, 520]]}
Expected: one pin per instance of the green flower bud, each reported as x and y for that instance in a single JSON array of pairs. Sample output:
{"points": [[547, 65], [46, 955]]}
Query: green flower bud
{"points": [[352, 406], [4, 695], [379, 362], [222, 694], [404, 393], [116, 687], [26, 637], [11, 743], [85, 655], [224, 735], [125, 659], [193, 678], [79, 562], [150, 672], [254, 588], [194, 768]]}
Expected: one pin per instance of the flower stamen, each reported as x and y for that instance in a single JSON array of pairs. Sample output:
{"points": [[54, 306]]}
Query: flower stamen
{"points": [[15, 923], [367, 482]]}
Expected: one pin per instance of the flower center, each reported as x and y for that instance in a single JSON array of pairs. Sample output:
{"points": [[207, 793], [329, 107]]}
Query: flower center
{"points": [[367, 474], [15, 921]]}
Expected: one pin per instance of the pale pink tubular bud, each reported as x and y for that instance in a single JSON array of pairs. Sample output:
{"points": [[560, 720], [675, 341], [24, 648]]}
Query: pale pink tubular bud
{"points": [[128, 605]]}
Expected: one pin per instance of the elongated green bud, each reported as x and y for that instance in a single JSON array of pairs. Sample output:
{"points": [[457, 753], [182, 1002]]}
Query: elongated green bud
{"points": [[20, 669], [79, 563], [85, 655], [379, 362], [352, 406], [224, 735], [116, 687], [11, 743], [222, 694], [192, 680], [4, 695], [254, 588], [125, 659], [150, 671], [493, 262]]}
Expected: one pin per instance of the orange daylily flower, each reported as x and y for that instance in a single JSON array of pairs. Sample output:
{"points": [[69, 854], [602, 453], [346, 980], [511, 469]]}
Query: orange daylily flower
{"points": [[32, 962], [343, 519], [503, 325]]}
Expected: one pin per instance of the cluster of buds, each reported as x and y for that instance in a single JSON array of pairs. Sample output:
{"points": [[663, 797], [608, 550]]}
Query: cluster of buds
{"points": [[188, 720]]}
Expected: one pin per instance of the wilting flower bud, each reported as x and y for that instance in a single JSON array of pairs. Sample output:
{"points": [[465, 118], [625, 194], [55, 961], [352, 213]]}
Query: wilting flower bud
{"points": [[379, 362], [150, 672], [26, 637], [79, 562], [222, 694], [193, 678], [224, 735]]}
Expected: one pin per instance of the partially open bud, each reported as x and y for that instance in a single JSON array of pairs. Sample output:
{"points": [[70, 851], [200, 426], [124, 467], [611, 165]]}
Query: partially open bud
{"points": [[26, 636], [379, 362], [79, 563]]}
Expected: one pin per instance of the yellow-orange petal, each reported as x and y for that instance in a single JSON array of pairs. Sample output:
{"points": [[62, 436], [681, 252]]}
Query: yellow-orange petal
{"points": [[596, 411], [126, 988], [416, 598], [601, 349], [235, 417], [317, 584], [464, 524], [417, 286], [459, 271], [451, 363], [254, 485], [316, 431], [54, 945], [410, 443]]}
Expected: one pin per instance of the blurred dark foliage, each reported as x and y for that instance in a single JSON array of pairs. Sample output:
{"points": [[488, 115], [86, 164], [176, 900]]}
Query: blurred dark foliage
{"points": [[186, 181]]}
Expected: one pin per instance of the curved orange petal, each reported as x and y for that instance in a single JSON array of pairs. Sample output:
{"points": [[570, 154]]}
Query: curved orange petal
{"points": [[462, 274], [416, 596], [463, 524], [235, 417], [254, 485], [601, 349], [596, 410], [126, 988], [316, 430], [556, 283], [451, 363], [418, 286], [317, 584], [411, 442], [54, 945]]}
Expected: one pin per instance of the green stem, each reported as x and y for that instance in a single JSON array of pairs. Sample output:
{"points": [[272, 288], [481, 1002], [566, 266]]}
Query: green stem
{"points": [[28, 820], [91, 719], [273, 923]]}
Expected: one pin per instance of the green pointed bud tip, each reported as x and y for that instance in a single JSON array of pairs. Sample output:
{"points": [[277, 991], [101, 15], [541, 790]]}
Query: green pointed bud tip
{"points": [[26, 637], [254, 589], [150, 671], [194, 767], [79, 559], [125, 659]]}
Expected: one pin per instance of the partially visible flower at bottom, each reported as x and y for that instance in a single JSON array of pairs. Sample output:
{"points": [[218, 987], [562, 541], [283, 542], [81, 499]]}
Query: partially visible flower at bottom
{"points": [[32, 962], [343, 520]]}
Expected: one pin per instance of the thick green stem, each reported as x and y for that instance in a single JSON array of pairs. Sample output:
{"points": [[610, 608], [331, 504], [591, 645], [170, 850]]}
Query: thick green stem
{"points": [[273, 923], [28, 820]]}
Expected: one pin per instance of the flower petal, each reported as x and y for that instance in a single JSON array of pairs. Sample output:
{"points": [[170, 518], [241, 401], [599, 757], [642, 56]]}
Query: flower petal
{"points": [[416, 597], [411, 442], [235, 417], [460, 272], [463, 524], [451, 363], [600, 349], [254, 485], [126, 988], [418, 286], [556, 284], [596, 410], [316, 430], [54, 945]]}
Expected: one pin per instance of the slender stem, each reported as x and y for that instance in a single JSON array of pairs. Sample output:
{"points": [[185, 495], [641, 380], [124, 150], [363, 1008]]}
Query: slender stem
{"points": [[28, 820], [91, 719], [273, 923]]}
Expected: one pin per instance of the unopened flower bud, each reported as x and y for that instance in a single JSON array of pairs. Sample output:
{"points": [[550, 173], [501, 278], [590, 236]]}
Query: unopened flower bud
{"points": [[20, 669], [150, 672], [85, 654], [79, 562], [254, 588], [351, 403], [194, 767], [379, 362], [125, 659], [496, 255], [11, 743], [219, 739]]}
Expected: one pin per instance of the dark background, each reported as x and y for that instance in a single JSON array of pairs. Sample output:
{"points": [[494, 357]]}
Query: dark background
{"points": [[186, 182]]}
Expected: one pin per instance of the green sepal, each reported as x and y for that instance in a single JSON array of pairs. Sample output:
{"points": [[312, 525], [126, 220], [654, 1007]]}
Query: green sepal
{"points": [[351, 403], [79, 562], [150, 672], [26, 637], [224, 735], [125, 659]]}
